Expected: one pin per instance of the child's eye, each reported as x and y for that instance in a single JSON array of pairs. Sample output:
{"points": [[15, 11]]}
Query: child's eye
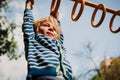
{"points": [[54, 29], [45, 25]]}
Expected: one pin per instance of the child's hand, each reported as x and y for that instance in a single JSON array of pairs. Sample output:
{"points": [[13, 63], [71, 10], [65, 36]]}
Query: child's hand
{"points": [[55, 14], [29, 4]]}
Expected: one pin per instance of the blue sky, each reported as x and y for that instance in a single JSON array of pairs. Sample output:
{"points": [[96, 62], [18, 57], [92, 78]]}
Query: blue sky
{"points": [[77, 34]]}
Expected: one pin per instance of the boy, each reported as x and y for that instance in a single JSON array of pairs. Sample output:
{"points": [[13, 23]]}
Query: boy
{"points": [[44, 49]]}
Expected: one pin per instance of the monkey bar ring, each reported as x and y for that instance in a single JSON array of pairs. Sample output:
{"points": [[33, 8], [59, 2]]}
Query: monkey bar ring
{"points": [[101, 19]]}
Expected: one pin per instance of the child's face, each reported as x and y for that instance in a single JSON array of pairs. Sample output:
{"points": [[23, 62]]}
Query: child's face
{"points": [[48, 29]]}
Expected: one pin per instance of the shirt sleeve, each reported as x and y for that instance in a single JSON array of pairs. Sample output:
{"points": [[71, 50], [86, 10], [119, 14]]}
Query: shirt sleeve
{"points": [[28, 25], [61, 34]]}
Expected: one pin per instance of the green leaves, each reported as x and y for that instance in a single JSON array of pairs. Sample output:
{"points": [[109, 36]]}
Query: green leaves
{"points": [[8, 45], [112, 72]]}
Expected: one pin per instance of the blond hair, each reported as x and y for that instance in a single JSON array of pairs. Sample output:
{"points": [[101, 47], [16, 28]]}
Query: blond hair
{"points": [[37, 23]]}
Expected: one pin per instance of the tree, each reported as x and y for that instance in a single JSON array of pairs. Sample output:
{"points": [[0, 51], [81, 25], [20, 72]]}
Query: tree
{"points": [[8, 45], [111, 72], [88, 55]]}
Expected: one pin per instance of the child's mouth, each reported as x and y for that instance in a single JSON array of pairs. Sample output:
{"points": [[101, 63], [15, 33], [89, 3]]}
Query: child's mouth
{"points": [[50, 34]]}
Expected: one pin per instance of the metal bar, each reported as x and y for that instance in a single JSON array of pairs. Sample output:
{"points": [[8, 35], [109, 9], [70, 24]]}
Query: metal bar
{"points": [[88, 3]]}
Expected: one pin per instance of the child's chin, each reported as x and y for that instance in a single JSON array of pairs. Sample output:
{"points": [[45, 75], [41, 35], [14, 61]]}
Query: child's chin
{"points": [[51, 37]]}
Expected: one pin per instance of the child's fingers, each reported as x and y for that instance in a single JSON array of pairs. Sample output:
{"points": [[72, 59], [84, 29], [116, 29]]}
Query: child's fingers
{"points": [[55, 14], [32, 1]]}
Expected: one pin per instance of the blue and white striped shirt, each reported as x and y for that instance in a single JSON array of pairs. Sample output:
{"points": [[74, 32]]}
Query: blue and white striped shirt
{"points": [[45, 56]]}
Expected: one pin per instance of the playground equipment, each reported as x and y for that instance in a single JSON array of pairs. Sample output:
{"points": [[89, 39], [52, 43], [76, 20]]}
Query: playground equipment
{"points": [[53, 8], [96, 6]]}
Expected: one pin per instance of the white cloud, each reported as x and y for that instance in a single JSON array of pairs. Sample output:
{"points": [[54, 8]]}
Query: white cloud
{"points": [[19, 38], [18, 18], [14, 69], [18, 4]]}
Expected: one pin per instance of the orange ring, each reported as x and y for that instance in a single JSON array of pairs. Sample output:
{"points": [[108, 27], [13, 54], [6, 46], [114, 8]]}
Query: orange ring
{"points": [[111, 22], [102, 18], [80, 11], [53, 7]]}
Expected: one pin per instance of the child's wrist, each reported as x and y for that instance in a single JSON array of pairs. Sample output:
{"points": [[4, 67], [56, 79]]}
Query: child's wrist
{"points": [[29, 5]]}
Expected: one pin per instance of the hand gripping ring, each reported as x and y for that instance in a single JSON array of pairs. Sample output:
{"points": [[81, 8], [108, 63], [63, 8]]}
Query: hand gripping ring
{"points": [[111, 22], [102, 18], [53, 7], [80, 11]]}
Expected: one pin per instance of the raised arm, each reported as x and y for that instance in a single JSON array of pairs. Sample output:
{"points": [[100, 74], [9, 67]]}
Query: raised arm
{"points": [[55, 14], [29, 4], [28, 20]]}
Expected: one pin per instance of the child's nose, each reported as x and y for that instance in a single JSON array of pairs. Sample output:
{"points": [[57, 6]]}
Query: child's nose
{"points": [[51, 28]]}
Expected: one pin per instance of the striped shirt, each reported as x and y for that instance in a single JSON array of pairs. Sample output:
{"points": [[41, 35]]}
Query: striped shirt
{"points": [[45, 56]]}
